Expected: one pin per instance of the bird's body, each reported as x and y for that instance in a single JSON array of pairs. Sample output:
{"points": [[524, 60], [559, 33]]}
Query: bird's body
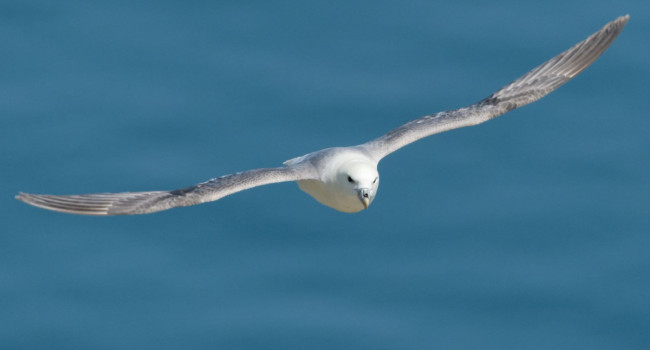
{"points": [[346, 178], [342, 172]]}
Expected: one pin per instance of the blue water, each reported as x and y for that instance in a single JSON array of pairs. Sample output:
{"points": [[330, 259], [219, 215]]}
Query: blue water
{"points": [[527, 232]]}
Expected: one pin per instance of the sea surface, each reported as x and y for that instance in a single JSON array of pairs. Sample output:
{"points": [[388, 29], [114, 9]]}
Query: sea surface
{"points": [[531, 231]]}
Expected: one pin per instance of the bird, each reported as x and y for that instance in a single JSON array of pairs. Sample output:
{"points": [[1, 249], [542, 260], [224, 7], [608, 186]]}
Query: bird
{"points": [[346, 178]]}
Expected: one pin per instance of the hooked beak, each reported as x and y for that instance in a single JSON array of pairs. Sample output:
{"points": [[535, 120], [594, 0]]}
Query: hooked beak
{"points": [[364, 196]]}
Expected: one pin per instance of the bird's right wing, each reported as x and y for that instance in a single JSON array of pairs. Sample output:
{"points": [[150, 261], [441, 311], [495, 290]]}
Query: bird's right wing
{"points": [[529, 88], [127, 203]]}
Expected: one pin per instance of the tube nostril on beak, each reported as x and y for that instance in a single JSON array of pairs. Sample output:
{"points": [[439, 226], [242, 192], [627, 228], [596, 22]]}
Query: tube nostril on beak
{"points": [[365, 195]]}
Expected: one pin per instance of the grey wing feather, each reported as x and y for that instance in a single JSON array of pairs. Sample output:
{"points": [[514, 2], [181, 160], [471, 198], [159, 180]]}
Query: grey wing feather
{"points": [[529, 88], [128, 203]]}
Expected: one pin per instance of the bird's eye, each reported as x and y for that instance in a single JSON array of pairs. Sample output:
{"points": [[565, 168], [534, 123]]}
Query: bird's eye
{"points": [[350, 180], [375, 181]]}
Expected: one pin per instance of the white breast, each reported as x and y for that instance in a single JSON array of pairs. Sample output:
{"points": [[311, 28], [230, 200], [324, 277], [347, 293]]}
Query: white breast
{"points": [[331, 195]]}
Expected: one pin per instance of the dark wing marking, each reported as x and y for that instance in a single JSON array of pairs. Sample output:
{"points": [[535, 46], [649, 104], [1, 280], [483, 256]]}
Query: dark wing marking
{"points": [[529, 88], [128, 203]]}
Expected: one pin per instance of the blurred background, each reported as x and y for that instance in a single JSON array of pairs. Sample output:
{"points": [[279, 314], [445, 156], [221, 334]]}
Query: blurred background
{"points": [[529, 232]]}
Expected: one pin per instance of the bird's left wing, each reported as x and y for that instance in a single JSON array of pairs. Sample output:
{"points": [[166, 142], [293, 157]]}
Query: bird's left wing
{"points": [[128, 203], [529, 88]]}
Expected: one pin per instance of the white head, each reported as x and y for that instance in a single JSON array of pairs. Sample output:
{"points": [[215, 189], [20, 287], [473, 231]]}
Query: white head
{"points": [[359, 179]]}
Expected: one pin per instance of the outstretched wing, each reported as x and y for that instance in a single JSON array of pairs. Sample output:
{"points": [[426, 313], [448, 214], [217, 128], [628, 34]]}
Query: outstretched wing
{"points": [[529, 88], [128, 203]]}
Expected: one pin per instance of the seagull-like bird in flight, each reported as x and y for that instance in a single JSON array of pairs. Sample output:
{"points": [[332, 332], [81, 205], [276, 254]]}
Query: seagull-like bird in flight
{"points": [[346, 178]]}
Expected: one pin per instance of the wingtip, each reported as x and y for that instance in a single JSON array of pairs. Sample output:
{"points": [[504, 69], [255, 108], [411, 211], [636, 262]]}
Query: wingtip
{"points": [[622, 20], [26, 198]]}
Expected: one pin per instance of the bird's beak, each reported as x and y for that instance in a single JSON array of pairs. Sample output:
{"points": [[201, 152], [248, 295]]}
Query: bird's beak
{"points": [[364, 196]]}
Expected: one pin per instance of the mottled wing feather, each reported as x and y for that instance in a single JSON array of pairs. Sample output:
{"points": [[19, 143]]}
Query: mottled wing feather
{"points": [[128, 203], [529, 88]]}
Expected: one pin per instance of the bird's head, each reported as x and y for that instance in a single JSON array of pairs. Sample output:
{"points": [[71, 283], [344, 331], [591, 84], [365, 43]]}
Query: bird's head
{"points": [[361, 179]]}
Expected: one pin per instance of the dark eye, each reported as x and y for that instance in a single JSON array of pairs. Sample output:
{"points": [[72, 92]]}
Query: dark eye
{"points": [[375, 181], [350, 180]]}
